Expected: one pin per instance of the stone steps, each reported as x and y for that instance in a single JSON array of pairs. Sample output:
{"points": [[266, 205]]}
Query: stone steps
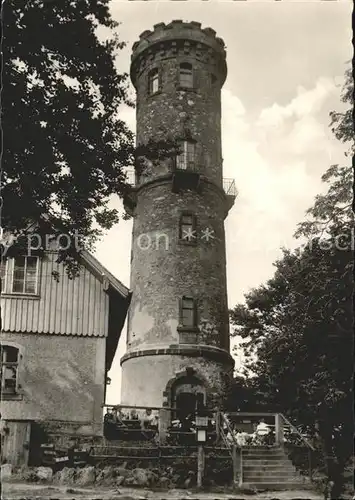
{"points": [[268, 467], [279, 485], [268, 463], [251, 468]]}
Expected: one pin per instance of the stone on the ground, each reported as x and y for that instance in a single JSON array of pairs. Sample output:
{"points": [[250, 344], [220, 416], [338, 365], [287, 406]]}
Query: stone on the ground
{"points": [[130, 481], [122, 471], [119, 480], [107, 476], [142, 477], [44, 473], [109, 471], [85, 476], [6, 471], [66, 475], [164, 482]]}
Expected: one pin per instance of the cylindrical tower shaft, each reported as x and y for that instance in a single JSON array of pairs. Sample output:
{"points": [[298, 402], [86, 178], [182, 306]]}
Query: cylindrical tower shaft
{"points": [[178, 318]]}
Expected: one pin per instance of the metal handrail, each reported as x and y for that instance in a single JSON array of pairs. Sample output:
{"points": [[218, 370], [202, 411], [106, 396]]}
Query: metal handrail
{"points": [[251, 414], [307, 443], [229, 430]]}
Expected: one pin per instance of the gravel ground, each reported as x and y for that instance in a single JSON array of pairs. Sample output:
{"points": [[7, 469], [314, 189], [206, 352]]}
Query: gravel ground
{"points": [[17, 491]]}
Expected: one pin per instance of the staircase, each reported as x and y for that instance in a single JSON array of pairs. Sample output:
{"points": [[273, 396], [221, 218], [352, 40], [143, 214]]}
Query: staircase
{"points": [[268, 467]]}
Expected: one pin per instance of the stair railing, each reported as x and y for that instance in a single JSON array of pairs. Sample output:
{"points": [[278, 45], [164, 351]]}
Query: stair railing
{"points": [[232, 448], [309, 446], [225, 421]]}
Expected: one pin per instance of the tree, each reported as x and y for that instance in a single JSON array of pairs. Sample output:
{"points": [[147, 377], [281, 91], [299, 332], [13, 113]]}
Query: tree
{"points": [[65, 147], [64, 144], [298, 327]]}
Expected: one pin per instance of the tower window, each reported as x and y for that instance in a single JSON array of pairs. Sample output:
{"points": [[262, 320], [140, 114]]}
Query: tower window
{"points": [[213, 79], [188, 312], [9, 369], [187, 227], [186, 160], [186, 76], [25, 275], [153, 81]]}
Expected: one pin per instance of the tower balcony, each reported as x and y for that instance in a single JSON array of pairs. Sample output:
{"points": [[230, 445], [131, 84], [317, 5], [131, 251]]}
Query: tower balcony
{"points": [[231, 192], [186, 175]]}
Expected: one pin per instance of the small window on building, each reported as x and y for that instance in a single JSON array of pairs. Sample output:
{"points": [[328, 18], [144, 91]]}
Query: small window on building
{"points": [[25, 275], [186, 159], [213, 79], [187, 227], [188, 313], [186, 76], [153, 81], [9, 369]]}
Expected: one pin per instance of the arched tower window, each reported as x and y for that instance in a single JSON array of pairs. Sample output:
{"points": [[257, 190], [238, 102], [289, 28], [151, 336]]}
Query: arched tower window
{"points": [[153, 81], [186, 75], [186, 160], [9, 369]]}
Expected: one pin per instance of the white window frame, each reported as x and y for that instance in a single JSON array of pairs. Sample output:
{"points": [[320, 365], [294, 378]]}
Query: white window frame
{"points": [[186, 160], [5, 364], [12, 273], [153, 81]]}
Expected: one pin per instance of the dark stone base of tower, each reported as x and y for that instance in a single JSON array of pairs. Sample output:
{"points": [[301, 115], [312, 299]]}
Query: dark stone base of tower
{"points": [[178, 348]]}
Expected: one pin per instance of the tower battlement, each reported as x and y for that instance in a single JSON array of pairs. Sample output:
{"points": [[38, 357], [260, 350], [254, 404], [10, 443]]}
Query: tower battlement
{"points": [[176, 39]]}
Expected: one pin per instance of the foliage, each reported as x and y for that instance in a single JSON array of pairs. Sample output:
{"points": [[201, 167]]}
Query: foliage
{"points": [[298, 327], [65, 147]]}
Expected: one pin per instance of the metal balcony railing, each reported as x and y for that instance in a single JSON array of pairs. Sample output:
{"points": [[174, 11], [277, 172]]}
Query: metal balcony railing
{"points": [[229, 187]]}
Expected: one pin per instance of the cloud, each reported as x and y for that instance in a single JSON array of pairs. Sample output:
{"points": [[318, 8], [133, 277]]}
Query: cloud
{"points": [[306, 102]]}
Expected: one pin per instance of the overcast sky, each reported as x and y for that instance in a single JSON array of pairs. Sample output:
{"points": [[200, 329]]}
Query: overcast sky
{"points": [[286, 63]]}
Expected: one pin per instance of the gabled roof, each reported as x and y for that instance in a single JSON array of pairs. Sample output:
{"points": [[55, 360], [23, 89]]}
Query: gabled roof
{"points": [[94, 266], [103, 274]]}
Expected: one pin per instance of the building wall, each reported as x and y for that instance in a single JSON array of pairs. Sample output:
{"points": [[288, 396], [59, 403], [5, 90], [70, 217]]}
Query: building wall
{"points": [[61, 378], [77, 307]]}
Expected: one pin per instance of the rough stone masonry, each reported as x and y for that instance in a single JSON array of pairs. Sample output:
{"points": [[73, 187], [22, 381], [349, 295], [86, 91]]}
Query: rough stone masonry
{"points": [[178, 71]]}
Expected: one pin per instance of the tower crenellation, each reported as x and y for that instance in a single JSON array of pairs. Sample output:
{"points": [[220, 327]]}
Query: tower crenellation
{"points": [[178, 318], [178, 39]]}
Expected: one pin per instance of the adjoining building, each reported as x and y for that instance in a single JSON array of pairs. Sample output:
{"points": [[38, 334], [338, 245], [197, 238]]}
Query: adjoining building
{"points": [[58, 341], [178, 343]]}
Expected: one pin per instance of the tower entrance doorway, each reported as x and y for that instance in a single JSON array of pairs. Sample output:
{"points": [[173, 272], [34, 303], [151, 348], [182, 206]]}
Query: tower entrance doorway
{"points": [[187, 403], [188, 395]]}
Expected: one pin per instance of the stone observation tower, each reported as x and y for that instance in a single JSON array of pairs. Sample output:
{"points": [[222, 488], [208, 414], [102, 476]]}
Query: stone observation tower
{"points": [[178, 351]]}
